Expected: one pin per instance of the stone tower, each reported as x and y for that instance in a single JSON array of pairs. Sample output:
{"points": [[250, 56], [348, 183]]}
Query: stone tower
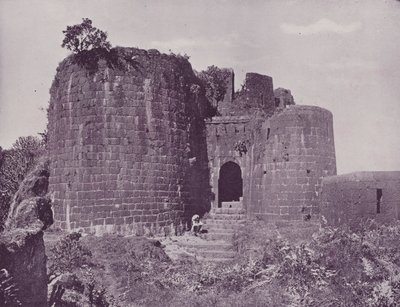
{"points": [[121, 142]]}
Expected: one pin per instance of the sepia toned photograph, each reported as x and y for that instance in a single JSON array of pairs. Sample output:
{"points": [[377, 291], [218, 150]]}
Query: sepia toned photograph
{"points": [[207, 153]]}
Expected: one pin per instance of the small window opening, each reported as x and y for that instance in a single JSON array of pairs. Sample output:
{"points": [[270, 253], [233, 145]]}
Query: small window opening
{"points": [[378, 200], [268, 132], [308, 171]]}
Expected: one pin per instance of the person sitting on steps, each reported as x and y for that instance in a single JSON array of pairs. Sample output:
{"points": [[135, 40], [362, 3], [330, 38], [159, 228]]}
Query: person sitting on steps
{"points": [[196, 224]]}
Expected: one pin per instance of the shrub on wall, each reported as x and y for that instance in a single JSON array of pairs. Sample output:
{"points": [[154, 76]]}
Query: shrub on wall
{"points": [[214, 79], [241, 146], [90, 45], [84, 37]]}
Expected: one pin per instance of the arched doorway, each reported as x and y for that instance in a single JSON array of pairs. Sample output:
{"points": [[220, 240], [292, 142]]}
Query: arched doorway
{"points": [[230, 183]]}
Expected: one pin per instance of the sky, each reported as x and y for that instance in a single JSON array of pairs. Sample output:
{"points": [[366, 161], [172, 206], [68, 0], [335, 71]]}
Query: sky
{"points": [[342, 55]]}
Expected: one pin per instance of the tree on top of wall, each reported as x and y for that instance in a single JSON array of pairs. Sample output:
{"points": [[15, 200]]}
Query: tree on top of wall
{"points": [[215, 83], [84, 37], [90, 44]]}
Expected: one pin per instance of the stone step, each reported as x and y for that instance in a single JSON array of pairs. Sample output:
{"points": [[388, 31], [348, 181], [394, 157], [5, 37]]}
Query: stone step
{"points": [[222, 216], [218, 251], [232, 204], [208, 246], [215, 254], [226, 226], [221, 231], [227, 211], [206, 259], [215, 247], [219, 236], [218, 225], [217, 221]]}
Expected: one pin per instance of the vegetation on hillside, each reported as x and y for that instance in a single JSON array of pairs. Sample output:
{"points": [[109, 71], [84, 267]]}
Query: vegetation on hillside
{"points": [[337, 267]]}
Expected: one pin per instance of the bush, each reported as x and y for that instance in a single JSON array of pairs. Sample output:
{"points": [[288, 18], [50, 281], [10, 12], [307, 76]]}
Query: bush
{"points": [[366, 263], [84, 37], [337, 267], [67, 256], [90, 45], [215, 83], [79, 282]]}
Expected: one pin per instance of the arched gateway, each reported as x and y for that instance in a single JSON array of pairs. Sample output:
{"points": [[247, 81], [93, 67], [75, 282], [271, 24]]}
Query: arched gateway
{"points": [[230, 183]]}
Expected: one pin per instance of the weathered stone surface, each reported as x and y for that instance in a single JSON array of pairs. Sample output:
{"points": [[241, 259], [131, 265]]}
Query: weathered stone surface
{"points": [[257, 94], [132, 153], [286, 157], [351, 198], [34, 212], [121, 143], [22, 250], [283, 98], [22, 253], [31, 208], [299, 152]]}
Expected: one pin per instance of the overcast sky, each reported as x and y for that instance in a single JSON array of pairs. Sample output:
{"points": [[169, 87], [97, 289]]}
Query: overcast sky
{"points": [[339, 55]]}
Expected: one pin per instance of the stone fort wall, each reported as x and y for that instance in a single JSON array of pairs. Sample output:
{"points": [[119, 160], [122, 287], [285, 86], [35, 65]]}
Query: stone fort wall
{"points": [[223, 133], [121, 143], [294, 150], [288, 150], [287, 156], [132, 150], [351, 198]]}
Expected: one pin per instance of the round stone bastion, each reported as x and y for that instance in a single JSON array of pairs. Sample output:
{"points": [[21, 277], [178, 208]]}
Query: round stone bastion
{"points": [[295, 151], [120, 143]]}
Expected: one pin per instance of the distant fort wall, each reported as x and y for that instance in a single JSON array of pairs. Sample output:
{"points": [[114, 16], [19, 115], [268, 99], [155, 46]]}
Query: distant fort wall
{"points": [[353, 198]]}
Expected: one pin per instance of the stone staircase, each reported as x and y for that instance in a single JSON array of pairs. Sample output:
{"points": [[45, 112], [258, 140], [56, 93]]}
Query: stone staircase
{"points": [[223, 222], [205, 250], [216, 243]]}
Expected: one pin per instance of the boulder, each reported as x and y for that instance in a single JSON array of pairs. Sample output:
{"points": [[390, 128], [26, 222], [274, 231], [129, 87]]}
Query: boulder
{"points": [[22, 250]]}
